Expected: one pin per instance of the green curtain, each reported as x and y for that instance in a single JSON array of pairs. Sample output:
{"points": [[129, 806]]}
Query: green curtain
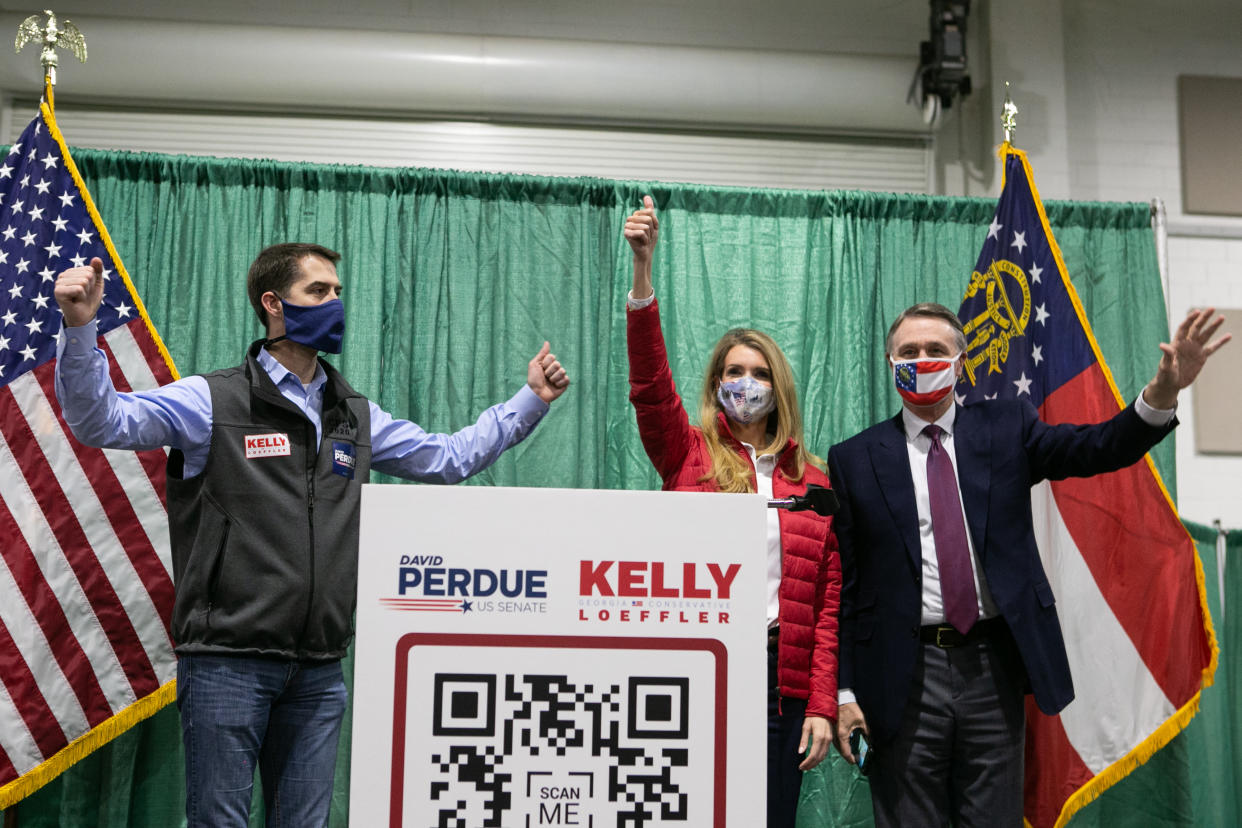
{"points": [[1214, 739], [453, 281]]}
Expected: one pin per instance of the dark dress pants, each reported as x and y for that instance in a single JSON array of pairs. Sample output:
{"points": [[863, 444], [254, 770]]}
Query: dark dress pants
{"points": [[957, 758]]}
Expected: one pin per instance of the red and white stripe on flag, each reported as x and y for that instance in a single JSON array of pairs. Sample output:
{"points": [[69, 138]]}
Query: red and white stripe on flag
{"points": [[1128, 583], [86, 586]]}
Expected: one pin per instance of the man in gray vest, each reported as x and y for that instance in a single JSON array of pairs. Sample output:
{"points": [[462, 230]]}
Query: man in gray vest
{"points": [[264, 476]]}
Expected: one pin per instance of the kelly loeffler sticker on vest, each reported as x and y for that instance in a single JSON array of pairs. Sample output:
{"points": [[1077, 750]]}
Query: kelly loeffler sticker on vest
{"points": [[266, 445]]}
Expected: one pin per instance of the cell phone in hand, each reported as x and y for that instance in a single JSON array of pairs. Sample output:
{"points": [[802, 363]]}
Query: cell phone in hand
{"points": [[861, 750]]}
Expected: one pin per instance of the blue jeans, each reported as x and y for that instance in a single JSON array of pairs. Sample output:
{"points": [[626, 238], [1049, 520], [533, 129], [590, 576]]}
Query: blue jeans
{"points": [[282, 716]]}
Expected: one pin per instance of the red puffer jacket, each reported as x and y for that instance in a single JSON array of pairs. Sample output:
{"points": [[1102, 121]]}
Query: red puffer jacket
{"points": [[810, 591]]}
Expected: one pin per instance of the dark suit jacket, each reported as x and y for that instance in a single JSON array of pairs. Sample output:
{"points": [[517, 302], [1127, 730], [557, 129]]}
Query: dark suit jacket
{"points": [[1002, 449]]}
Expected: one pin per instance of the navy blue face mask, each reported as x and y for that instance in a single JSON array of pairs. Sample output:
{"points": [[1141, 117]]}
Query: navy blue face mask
{"points": [[316, 326]]}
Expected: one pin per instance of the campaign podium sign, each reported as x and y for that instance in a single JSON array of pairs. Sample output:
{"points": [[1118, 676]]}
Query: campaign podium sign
{"points": [[546, 657]]}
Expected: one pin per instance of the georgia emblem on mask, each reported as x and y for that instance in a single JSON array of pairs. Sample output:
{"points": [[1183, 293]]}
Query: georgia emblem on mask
{"points": [[923, 382]]}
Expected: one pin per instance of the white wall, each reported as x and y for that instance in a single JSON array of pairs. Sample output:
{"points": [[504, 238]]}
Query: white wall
{"points": [[1122, 59], [1095, 82]]}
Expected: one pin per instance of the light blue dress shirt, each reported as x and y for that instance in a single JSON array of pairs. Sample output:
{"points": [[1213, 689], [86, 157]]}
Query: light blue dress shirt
{"points": [[178, 415]]}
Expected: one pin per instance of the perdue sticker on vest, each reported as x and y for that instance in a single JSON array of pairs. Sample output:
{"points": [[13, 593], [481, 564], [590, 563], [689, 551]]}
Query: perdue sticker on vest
{"points": [[343, 459], [266, 445]]}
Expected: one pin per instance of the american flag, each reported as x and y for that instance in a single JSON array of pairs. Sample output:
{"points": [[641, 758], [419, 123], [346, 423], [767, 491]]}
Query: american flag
{"points": [[1127, 579], [85, 570]]}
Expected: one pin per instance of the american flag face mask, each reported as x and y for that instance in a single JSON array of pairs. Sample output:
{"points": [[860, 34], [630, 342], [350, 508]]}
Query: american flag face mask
{"points": [[745, 400]]}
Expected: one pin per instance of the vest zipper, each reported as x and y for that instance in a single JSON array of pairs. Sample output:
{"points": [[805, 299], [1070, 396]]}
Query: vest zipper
{"points": [[311, 462]]}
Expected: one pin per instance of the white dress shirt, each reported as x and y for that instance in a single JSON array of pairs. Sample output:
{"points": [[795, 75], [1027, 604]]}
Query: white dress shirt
{"points": [[765, 465]]}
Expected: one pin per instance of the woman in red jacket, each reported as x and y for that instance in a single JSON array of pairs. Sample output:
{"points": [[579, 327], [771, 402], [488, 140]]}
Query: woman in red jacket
{"points": [[750, 440]]}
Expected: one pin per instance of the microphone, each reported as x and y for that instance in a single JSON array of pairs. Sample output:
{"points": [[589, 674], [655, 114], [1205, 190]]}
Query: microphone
{"points": [[818, 499]]}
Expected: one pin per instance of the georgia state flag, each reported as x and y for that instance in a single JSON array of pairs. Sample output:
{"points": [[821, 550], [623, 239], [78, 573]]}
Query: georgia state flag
{"points": [[923, 381], [1127, 579]]}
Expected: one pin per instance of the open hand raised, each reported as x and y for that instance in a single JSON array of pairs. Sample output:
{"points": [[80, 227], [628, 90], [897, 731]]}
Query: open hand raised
{"points": [[1182, 359]]}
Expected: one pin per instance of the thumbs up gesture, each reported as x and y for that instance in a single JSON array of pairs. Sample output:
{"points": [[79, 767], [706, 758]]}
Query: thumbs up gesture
{"points": [[79, 292], [642, 228], [546, 376]]}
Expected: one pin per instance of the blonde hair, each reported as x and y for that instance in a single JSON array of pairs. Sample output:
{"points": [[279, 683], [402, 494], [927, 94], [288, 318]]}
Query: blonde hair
{"points": [[730, 470]]}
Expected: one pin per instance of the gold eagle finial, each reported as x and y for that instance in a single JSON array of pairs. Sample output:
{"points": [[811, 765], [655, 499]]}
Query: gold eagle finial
{"points": [[53, 35], [1009, 117]]}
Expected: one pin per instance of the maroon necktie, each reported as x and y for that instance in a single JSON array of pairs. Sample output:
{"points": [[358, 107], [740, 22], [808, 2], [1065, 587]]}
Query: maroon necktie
{"points": [[957, 581]]}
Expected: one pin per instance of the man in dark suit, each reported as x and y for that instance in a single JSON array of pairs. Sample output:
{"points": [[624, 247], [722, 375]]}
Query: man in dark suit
{"points": [[947, 618]]}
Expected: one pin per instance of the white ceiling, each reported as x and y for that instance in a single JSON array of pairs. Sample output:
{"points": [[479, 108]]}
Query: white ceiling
{"points": [[883, 27]]}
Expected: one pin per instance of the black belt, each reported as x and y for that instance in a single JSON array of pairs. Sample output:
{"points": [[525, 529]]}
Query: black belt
{"points": [[774, 637], [944, 635]]}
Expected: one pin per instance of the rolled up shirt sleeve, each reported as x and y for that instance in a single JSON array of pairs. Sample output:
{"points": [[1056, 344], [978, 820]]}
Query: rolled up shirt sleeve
{"points": [[177, 415], [403, 449]]}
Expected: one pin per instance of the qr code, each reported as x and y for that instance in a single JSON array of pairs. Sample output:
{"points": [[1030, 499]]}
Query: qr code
{"points": [[611, 737]]}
